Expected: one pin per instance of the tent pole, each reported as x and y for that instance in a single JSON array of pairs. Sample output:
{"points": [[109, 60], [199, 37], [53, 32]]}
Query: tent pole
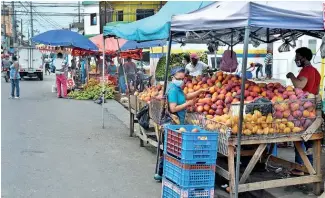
{"points": [[241, 108], [167, 61], [103, 82]]}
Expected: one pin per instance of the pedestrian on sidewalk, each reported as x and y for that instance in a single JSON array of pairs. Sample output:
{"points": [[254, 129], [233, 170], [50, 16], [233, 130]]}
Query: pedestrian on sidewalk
{"points": [[121, 80], [61, 75], [14, 78]]}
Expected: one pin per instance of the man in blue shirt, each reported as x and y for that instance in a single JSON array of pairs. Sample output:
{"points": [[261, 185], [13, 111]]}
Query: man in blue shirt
{"points": [[14, 78]]}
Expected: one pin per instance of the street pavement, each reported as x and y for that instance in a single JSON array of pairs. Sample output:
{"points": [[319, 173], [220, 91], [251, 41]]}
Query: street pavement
{"points": [[57, 148]]}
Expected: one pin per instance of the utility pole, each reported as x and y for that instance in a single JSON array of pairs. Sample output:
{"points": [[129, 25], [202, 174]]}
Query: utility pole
{"points": [[4, 24], [14, 27], [79, 12], [31, 20], [21, 32]]}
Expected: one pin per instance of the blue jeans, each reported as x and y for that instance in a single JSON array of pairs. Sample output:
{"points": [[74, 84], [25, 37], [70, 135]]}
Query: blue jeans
{"points": [[14, 85], [122, 84], [305, 146]]}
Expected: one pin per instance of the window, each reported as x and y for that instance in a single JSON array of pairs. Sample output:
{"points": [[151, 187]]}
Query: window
{"points": [[144, 13], [312, 45], [93, 19], [119, 16]]}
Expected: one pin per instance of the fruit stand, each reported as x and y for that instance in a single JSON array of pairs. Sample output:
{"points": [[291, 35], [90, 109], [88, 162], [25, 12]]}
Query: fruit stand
{"points": [[290, 115]]}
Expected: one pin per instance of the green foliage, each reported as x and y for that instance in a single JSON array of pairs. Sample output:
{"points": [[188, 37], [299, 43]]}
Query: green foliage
{"points": [[93, 92], [175, 60]]}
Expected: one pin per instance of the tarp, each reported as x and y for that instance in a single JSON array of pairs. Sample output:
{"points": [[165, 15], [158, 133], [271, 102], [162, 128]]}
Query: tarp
{"points": [[140, 45], [301, 15], [111, 45], [155, 27], [64, 38]]}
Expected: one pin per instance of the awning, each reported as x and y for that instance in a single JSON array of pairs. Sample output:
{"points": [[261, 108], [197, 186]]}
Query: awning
{"points": [[155, 27], [302, 15], [140, 45], [225, 22]]}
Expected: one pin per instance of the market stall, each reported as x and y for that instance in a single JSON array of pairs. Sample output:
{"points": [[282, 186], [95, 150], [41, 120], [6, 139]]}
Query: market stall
{"points": [[250, 22]]}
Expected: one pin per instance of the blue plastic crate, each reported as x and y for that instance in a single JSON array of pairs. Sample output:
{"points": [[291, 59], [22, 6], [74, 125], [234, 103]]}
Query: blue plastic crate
{"points": [[171, 190], [188, 175], [191, 147]]}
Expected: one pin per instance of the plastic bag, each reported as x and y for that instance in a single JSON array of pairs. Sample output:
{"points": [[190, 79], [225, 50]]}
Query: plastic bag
{"points": [[143, 117], [263, 105]]}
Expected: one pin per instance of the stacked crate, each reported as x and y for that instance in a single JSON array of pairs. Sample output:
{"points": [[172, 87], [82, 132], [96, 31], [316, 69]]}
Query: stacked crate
{"points": [[190, 155]]}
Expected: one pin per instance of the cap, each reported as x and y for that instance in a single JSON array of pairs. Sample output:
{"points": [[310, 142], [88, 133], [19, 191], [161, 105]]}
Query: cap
{"points": [[194, 56], [176, 70]]}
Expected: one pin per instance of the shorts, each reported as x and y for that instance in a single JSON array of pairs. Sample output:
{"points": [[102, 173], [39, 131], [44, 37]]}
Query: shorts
{"points": [[268, 70]]}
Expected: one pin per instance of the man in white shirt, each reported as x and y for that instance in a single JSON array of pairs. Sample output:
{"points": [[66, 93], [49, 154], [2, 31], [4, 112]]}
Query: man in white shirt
{"points": [[60, 72], [195, 67]]}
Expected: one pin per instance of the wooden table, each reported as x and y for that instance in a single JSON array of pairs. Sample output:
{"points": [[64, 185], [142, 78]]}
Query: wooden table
{"points": [[314, 172]]}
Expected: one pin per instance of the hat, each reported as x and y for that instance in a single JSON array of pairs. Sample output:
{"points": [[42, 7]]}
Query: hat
{"points": [[194, 56], [176, 70]]}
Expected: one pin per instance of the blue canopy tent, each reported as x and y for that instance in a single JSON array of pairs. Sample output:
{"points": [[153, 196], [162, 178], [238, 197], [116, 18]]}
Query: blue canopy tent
{"points": [[140, 45], [155, 27], [65, 38]]}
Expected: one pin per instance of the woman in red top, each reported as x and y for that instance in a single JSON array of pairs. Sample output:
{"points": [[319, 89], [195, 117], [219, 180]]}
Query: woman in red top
{"points": [[307, 80]]}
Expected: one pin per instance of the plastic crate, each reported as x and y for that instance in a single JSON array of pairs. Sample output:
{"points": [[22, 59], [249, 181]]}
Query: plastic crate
{"points": [[191, 147], [171, 190], [188, 175]]}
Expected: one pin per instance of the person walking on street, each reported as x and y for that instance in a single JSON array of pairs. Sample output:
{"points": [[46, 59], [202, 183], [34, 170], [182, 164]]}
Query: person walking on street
{"points": [[121, 80], [268, 64], [61, 73], [14, 78]]}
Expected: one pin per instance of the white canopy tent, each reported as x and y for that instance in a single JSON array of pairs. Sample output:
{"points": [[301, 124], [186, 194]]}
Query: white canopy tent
{"points": [[233, 22]]}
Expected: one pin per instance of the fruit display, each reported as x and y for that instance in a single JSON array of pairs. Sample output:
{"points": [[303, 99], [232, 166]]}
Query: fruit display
{"points": [[93, 90], [147, 94]]}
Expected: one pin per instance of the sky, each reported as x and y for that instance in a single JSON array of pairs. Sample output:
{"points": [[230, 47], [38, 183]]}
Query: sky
{"points": [[44, 23]]}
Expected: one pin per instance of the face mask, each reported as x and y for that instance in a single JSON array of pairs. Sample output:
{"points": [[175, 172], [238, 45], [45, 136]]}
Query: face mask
{"points": [[183, 62], [299, 63], [178, 83]]}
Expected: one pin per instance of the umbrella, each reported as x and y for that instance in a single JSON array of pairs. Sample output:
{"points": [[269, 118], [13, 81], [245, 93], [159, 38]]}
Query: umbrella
{"points": [[111, 45], [64, 38]]}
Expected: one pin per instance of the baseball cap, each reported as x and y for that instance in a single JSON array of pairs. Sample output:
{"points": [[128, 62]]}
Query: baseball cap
{"points": [[176, 70], [194, 56]]}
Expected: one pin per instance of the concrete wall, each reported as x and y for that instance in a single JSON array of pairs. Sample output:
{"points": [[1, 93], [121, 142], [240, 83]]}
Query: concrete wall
{"points": [[88, 28]]}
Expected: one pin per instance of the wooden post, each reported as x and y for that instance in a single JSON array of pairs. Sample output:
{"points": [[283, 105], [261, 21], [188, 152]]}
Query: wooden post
{"points": [[252, 163], [317, 164], [131, 123], [304, 158], [231, 169]]}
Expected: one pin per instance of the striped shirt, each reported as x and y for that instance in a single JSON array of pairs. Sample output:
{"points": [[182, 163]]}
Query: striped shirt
{"points": [[268, 59]]}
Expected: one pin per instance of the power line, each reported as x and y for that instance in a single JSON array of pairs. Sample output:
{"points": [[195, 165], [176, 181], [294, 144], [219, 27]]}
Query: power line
{"points": [[49, 20]]}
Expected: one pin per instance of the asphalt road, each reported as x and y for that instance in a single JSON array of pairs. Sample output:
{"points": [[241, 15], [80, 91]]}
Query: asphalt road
{"points": [[56, 148]]}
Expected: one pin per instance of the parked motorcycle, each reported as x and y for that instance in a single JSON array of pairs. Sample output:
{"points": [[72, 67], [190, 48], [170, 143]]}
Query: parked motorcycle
{"points": [[5, 74]]}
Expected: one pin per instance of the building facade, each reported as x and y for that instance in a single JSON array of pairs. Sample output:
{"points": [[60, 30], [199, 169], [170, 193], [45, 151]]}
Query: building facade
{"points": [[91, 21], [6, 28]]}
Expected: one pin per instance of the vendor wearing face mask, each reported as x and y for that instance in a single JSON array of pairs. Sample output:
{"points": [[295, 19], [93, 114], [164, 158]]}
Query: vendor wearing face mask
{"points": [[177, 103], [307, 80], [195, 67]]}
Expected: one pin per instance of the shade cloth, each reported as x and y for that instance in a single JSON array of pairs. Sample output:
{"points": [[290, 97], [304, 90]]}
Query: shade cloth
{"points": [[301, 15], [140, 45], [155, 27], [64, 38], [111, 45]]}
